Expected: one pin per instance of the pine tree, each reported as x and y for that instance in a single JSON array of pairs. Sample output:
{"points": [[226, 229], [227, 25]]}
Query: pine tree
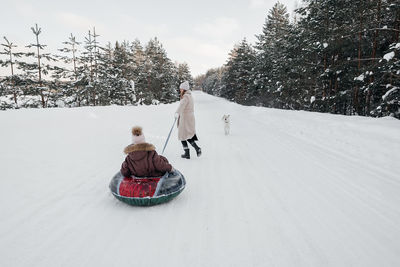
{"points": [[125, 74], [106, 74], [70, 89], [271, 66], [138, 75], [159, 71], [37, 69], [71, 49], [13, 79], [238, 77], [121, 92], [346, 36], [211, 82], [88, 69], [339, 56], [389, 81], [182, 74]]}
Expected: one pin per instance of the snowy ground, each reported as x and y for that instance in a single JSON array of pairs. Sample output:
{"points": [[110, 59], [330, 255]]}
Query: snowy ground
{"points": [[284, 189]]}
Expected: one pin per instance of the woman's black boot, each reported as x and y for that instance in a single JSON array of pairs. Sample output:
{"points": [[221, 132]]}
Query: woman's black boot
{"points": [[187, 154], [198, 149]]}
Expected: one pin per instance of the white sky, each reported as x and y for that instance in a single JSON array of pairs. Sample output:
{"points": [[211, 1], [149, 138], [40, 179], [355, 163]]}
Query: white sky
{"points": [[200, 33]]}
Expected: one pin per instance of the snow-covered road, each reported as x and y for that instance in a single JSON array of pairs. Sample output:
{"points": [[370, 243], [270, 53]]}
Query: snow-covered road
{"points": [[285, 188]]}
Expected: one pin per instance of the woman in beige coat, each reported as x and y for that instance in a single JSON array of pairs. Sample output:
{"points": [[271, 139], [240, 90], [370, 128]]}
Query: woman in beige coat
{"points": [[186, 121]]}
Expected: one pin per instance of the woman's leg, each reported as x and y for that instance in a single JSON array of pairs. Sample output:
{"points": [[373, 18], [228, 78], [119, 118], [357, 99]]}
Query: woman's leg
{"points": [[184, 144], [186, 149], [193, 143]]}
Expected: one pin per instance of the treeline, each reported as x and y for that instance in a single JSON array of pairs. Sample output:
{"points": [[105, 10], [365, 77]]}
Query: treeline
{"points": [[337, 56], [86, 73]]}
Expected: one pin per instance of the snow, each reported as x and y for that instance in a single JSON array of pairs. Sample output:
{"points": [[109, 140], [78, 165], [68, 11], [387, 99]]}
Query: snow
{"points": [[155, 102], [312, 99], [389, 56], [23, 100], [389, 92], [360, 78], [132, 85], [286, 188]]}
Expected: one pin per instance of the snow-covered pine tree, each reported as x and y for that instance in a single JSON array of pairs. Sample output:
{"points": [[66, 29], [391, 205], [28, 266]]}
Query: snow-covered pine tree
{"points": [[238, 77], [70, 56], [211, 81], [88, 69], [385, 80], [38, 69], [297, 81], [121, 90], [11, 83], [271, 64], [106, 74], [182, 74], [389, 83], [138, 75], [347, 39], [160, 71], [316, 33], [332, 59], [69, 76], [90, 57], [128, 74], [386, 94]]}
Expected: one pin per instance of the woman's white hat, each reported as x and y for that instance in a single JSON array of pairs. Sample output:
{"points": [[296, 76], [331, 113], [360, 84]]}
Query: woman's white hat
{"points": [[184, 86]]}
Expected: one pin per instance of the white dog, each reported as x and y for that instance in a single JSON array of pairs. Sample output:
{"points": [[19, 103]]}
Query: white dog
{"points": [[227, 123]]}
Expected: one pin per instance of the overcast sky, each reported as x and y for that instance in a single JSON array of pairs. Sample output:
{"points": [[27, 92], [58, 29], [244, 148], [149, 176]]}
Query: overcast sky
{"points": [[200, 33]]}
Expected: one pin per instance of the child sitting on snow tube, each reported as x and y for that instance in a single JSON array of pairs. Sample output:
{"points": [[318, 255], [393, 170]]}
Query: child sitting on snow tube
{"points": [[146, 178], [142, 159]]}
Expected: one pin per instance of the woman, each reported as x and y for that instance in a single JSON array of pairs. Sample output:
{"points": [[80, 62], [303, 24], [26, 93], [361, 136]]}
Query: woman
{"points": [[186, 121]]}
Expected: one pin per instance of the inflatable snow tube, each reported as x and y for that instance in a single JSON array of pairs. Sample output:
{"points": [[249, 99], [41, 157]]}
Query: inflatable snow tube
{"points": [[147, 191]]}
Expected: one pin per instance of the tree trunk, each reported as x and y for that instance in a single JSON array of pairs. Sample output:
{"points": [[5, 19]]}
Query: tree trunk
{"points": [[356, 101], [374, 48], [397, 26], [376, 34], [12, 78], [95, 67], [336, 94], [40, 71]]}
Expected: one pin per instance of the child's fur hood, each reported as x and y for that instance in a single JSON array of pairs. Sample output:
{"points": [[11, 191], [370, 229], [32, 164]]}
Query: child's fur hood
{"points": [[139, 147]]}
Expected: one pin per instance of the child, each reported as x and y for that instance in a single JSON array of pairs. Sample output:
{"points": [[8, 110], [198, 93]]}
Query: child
{"points": [[142, 159]]}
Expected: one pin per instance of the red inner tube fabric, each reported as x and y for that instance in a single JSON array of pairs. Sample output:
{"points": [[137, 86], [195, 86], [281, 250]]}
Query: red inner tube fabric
{"points": [[138, 187]]}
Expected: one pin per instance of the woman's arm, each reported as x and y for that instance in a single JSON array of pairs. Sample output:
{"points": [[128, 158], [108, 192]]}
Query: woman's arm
{"points": [[183, 103]]}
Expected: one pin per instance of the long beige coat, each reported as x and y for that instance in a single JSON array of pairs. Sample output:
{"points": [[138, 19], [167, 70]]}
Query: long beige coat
{"points": [[186, 121]]}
